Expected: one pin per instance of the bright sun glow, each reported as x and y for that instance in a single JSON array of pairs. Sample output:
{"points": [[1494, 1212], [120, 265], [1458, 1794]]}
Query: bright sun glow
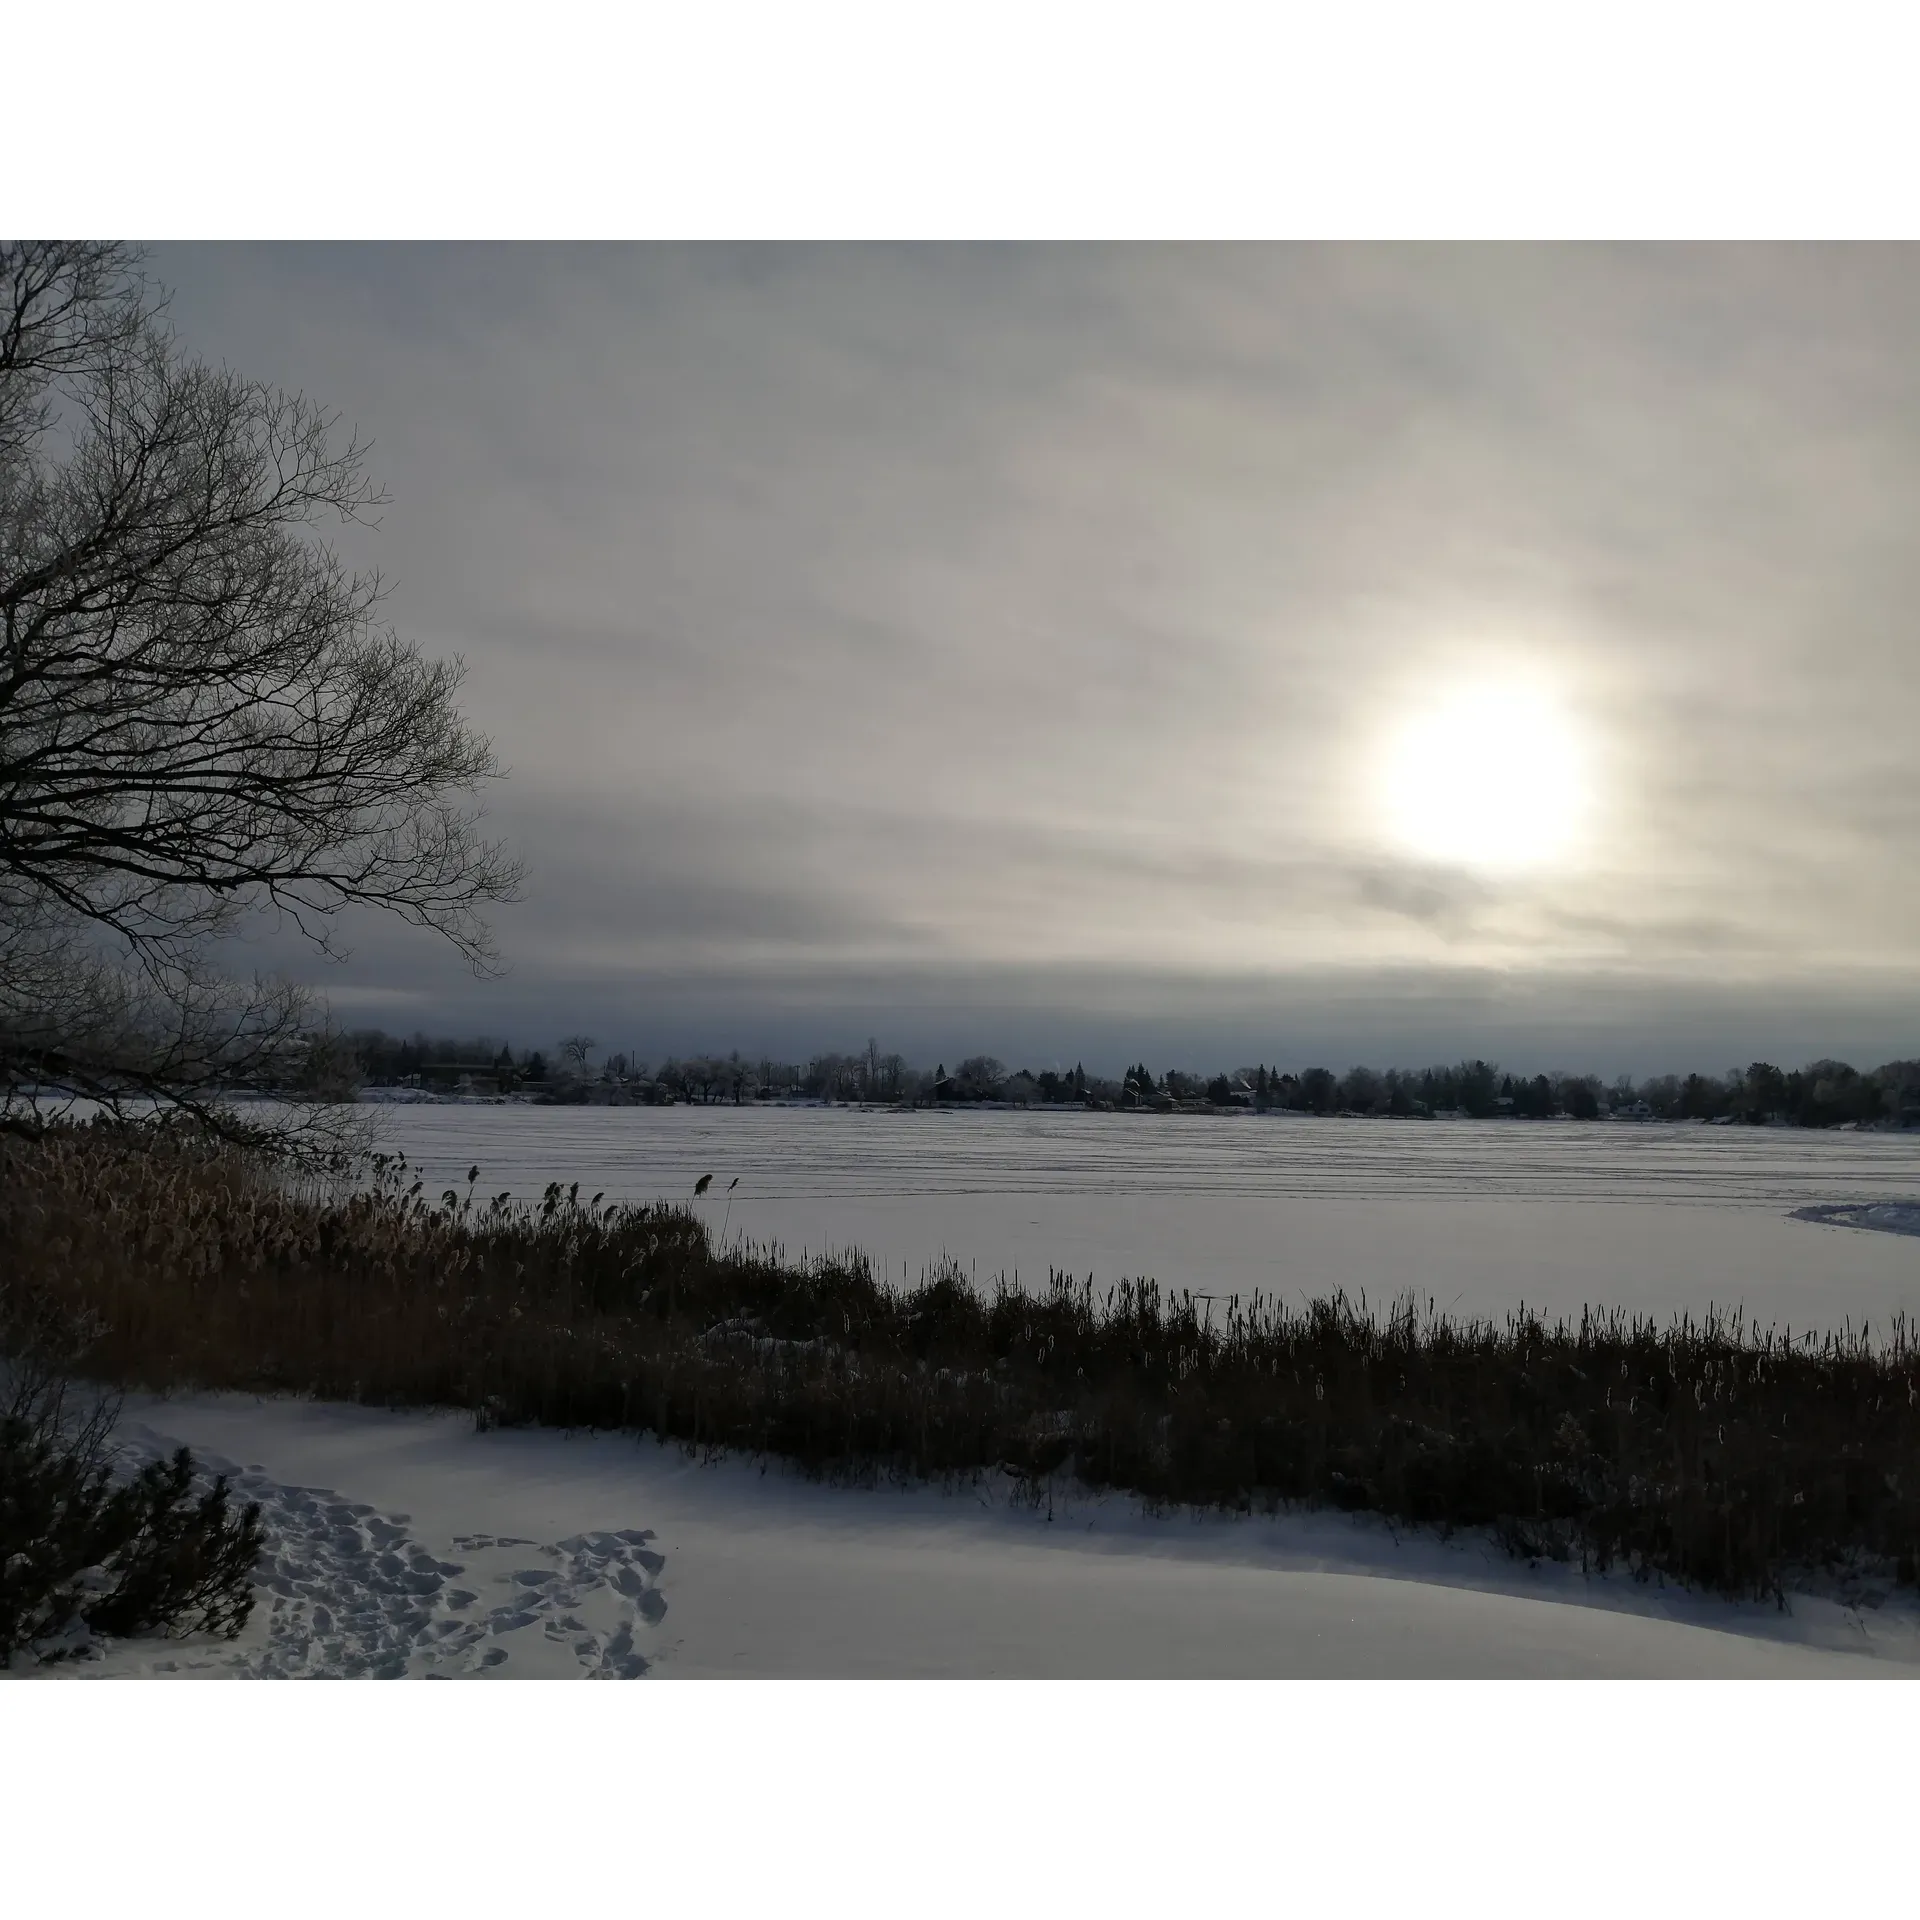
{"points": [[1491, 776]]}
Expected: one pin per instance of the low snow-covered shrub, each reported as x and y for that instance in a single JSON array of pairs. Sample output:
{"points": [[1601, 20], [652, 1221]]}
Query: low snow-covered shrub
{"points": [[84, 1550]]}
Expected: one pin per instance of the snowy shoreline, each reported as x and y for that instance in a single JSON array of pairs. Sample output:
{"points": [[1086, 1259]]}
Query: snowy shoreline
{"points": [[424, 1097], [544, 1554]]}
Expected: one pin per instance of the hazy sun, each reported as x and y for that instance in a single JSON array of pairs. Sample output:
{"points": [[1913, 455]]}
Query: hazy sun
{"points": [[1490, 776]]}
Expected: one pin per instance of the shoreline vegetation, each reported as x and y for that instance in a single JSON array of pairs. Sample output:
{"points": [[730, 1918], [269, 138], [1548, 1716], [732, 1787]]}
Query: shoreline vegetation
{"points": [[1738, 1459], [375, 1066]]}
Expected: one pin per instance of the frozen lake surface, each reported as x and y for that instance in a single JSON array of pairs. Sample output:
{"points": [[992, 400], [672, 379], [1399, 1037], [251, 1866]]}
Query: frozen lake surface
{"points": [[1478, 1216]]}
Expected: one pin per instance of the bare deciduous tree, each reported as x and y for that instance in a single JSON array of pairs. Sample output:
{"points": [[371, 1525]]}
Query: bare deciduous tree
{"points": [[202, 715], [981, 1076]]}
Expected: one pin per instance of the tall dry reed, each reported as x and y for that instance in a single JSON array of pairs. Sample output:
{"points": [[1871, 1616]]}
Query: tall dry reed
{"points": [[1708, 1450]]}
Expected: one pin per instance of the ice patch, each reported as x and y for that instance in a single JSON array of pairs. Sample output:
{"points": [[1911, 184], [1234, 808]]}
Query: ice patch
{"points": [[1878, 1216]]}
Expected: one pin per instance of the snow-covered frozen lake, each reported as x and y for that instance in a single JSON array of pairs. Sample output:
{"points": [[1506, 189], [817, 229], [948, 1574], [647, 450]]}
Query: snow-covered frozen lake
{"points": [[1479, 1216]]}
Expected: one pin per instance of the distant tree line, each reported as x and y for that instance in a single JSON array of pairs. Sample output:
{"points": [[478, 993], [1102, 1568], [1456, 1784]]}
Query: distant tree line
{"points": [[1824, 1093]]}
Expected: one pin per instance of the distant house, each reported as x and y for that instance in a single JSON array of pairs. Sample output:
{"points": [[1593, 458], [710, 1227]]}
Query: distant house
{"points": [[462, 1076]]}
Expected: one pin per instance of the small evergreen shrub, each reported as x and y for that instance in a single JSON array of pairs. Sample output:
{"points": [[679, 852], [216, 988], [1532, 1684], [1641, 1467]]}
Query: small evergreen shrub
{"points": [[82, 1550]]}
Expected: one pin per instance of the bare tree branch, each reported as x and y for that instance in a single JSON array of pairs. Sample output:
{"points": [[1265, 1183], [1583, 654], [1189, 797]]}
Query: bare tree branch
{"points": [[201, 713]]}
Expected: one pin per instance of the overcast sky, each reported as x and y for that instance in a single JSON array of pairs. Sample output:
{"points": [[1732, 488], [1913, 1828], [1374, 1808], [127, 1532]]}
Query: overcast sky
{"points": [[1009, 649]]}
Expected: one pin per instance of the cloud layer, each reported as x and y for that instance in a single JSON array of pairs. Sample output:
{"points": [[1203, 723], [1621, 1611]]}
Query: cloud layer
{"points": [[859, 622]]}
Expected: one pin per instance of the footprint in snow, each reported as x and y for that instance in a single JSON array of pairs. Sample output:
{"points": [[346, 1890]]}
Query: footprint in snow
{"points": [[346, 1591]]}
